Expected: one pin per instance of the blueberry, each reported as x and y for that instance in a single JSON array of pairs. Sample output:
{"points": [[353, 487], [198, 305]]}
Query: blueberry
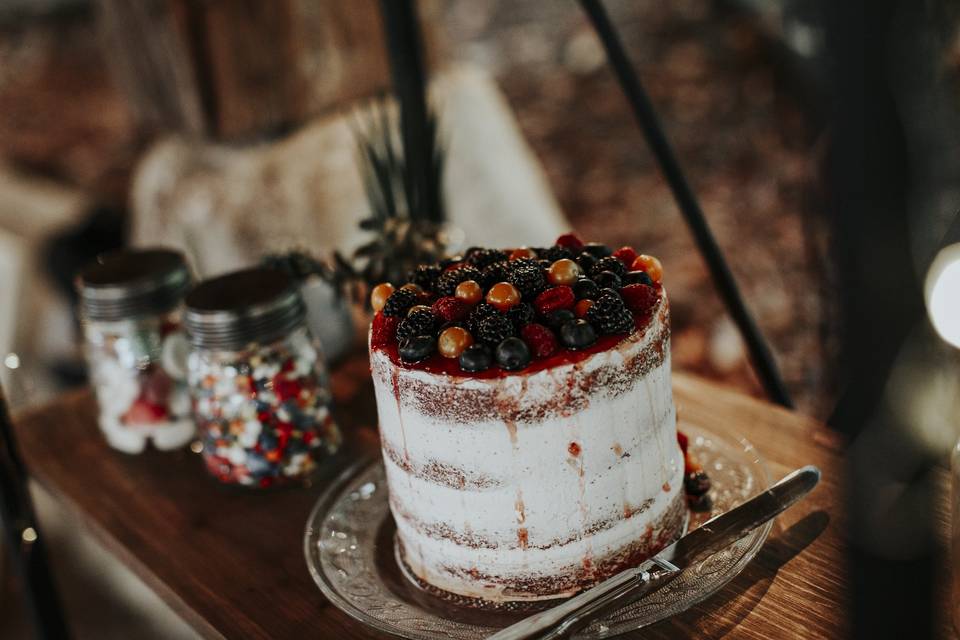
{"points": [[586, 261], [513, 354], [606, 279], [597, 250], [558, 318], [696, 483], [577, 334], [586, 289], [417, 348], [637, 277], [476, 358]]}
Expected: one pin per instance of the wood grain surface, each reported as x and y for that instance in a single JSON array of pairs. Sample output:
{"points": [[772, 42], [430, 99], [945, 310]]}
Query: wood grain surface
{"points": [[231, 562]]}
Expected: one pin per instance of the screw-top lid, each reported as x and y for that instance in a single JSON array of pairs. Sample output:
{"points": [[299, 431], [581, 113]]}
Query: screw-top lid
{"points": [[233, 310], [133, 282]]}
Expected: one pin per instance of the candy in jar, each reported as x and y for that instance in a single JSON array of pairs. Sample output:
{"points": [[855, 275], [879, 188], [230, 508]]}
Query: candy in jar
{"points": [[258, 381], [130, 305]]}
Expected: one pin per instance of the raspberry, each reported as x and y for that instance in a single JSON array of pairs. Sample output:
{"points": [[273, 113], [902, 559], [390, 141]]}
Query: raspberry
{"points": [[541, 340], [610, 315], [521, 315], [639, 298], [447, 283], [400, 302], [425, 276], [483, 258], [609, 264], [626, 255], [494, 329], [418, 323], [556, 298], [570, 240], [479, 313], [384, 330], [450, 309], [528, 279]]}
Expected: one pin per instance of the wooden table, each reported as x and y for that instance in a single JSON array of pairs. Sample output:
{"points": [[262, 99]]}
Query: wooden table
{"points": [[231, 562]]}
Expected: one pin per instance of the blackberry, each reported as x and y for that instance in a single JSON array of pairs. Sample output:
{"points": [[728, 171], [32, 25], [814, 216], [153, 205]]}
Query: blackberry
{"points": [[610, 315], [554, 253], [494, 329], [494, 273], [482, 258], [425, 276], [418, 323], [528, 279], [609, 264], [399, 302], [521, 315], [447, 283], [479, 313]]}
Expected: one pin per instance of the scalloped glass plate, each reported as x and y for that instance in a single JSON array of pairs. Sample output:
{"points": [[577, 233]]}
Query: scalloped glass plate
{"points": [[349, 549]]}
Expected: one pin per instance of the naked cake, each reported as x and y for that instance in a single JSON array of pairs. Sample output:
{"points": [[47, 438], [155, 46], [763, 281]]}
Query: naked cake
{"points": [[526, 418]]}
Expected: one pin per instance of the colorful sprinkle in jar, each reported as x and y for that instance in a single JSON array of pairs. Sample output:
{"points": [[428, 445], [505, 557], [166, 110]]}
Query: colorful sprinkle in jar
{"points": [[258, 380], [130, 305]]}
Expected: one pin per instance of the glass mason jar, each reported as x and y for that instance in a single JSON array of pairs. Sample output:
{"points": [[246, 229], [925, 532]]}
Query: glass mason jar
{"points": [[130, 311], [259, 385]]}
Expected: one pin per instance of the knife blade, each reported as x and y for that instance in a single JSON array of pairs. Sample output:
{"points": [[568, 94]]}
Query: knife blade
{"points": [[632, 584]]}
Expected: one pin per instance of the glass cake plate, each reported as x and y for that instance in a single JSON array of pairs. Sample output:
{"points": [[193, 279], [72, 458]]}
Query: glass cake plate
{"points": [[349, 547]]}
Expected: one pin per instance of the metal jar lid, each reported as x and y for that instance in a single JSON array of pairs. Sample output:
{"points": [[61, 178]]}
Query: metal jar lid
{"points": [[231, 311], [133, 282]]}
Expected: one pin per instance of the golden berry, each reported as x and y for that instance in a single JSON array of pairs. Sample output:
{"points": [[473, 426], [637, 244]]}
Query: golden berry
{"points": [[379, 295], [582, 307], [523, 252], [469, 291], [503, 295], [418, 307], [453, 341], [649, 264], [564, 271]]}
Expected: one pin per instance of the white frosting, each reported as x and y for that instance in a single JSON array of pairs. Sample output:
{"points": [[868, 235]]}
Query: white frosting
{"points": [[524, 476]]}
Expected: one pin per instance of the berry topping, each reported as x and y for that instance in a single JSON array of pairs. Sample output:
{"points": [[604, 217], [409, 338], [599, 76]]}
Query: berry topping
{"points": [[639, 298], [564, 271], [610, 314], [649, 264], [626, 255], [523, 253], [607, 279], [503, 295], [637, 277], [448, 282], [528, 278], [521, 315], [453, 341], [582, 307], [553, 299], [609, 264], [557, 319], [450, 309], [696, 483], [399, 302], [418, 323], [577, 334], [469, 291], [597, 250], [425, 276], [541, 340], [384, 330], [570, 241], [513, 354], [586, 289], [476, 358], [379, 295], [417, 348], [494, 329], [483, 258]]}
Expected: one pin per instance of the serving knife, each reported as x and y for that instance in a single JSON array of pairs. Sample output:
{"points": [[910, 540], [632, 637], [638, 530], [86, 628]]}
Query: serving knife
{"points": [[632, 584]]}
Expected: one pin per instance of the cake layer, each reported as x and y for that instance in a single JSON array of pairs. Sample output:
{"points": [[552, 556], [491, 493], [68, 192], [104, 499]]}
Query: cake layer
{"points": [[549, 478]]}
